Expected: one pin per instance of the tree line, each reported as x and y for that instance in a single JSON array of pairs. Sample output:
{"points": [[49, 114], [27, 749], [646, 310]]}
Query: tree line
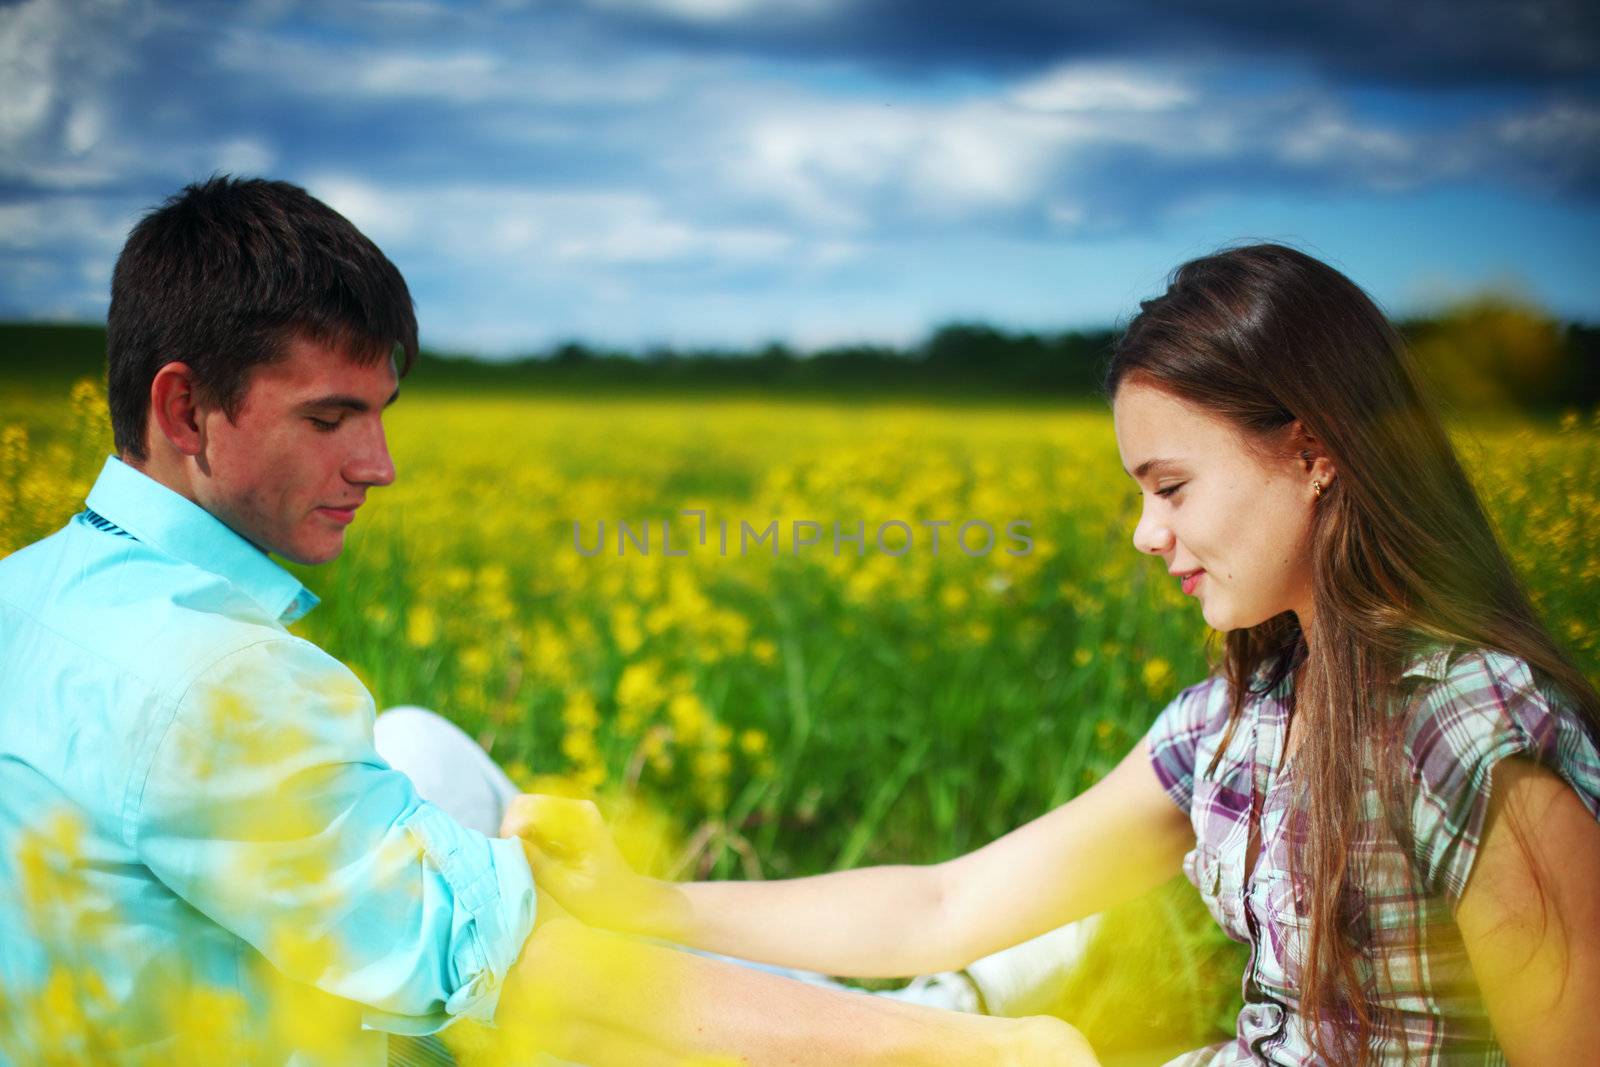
{"points": [[1493, 352]]}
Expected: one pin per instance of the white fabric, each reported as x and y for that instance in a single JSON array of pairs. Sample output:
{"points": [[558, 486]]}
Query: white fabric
{"points": [[447, 767], [1028, 979]]}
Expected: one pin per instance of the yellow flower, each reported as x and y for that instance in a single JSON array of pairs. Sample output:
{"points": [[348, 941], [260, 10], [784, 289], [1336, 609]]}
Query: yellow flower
{"points": [[712, 765], [422, 629], [752, 742], [640, 687], [689, 717], [579, 712], [625, 629], [763, 651], [1157, 674], [476, 661], [579, 747]]}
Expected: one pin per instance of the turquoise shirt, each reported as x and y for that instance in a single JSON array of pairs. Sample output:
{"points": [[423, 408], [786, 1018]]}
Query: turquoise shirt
{"points": [[196, 834]]}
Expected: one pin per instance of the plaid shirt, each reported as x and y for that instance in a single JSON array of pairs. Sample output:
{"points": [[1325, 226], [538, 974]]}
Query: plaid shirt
{"points": [[1465, 712]]}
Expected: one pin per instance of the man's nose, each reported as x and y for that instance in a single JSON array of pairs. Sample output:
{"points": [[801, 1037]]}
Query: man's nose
{"points": [[373, 464]]}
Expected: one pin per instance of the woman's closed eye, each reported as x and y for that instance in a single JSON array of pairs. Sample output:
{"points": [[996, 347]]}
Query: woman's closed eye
{"points": [[1169, 490]]}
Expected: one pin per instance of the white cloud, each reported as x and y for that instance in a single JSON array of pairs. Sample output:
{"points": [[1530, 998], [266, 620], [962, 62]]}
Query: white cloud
{"points": [[57, 113], [382, 215], [1096, 87], [29, 35], [1066, 215], [465, 76], [1328, 137], [88, 232], [517, 75], [83, 128], [843, 166], [719, 10], [243, 156], [830, 161], [544, 230], [1560, 126]]}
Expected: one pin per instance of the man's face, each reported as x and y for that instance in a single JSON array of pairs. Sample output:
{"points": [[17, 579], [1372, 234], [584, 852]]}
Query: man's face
{"points": [[306, 445]]}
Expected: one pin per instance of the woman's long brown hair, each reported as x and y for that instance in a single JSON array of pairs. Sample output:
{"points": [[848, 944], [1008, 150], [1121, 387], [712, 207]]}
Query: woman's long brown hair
{"points": [[1402, 552]]}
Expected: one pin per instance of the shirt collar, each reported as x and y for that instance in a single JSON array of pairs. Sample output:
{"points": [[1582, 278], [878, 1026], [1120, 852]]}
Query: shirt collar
{"points": [[176, 525], [1429, 660], [1432, 660]]}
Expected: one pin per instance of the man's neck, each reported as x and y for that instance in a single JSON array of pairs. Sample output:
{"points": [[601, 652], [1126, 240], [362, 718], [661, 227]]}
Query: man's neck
{"points": [[169, 471]]}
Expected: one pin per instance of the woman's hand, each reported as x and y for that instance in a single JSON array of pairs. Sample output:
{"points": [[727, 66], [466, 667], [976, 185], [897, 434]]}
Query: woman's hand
{"points": [[576, 861]]}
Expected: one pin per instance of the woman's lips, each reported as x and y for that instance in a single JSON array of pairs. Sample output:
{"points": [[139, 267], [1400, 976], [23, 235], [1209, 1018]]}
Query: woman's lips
{"points": [[1192, 580]]}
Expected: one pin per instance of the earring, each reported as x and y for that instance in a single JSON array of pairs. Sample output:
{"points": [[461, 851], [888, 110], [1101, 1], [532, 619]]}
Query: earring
{"points": [[1316, 487]]}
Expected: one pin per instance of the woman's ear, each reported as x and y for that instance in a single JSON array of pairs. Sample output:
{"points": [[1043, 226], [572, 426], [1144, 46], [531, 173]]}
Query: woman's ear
{"points": [[1313, 460]]}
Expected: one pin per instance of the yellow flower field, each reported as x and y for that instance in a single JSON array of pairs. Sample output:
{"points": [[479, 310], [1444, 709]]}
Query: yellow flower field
{"points": [[761, 700]]}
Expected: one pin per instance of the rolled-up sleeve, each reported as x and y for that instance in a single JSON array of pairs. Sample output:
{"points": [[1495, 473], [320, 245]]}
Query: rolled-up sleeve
{"points": [[1174, 737], [1488, 708], [266, 807]]}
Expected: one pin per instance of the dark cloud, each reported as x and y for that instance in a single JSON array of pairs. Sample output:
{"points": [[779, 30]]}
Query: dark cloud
{"points": [[1550, 43]]}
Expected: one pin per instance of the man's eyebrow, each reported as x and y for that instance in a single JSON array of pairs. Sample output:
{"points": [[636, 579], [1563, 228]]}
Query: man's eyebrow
{"points": [[343, 400], [1152, 465]]}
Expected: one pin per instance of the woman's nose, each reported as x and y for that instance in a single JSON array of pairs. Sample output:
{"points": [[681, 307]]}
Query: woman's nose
{"points": [[1151, 536]]}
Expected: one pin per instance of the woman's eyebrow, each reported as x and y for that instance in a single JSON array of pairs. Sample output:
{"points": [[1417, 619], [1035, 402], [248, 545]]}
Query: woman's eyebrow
{"points": [[1152, 465]]}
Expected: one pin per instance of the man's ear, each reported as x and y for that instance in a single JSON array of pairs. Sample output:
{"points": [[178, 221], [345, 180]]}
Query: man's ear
{"points": [[175, 410]]}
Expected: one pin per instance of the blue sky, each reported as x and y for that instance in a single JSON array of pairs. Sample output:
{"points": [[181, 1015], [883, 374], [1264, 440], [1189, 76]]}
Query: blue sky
{"points": [[727, 172]]}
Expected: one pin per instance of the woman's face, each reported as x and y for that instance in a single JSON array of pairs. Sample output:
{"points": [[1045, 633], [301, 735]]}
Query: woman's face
{"points": [[1209, 504]]}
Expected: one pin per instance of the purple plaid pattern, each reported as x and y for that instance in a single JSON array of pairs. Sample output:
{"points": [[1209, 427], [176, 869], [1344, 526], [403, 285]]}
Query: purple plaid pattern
{"points": [[1465, 710]]}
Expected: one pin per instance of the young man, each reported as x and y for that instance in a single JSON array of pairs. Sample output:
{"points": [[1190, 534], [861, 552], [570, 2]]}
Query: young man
{"points": [[201, 852]]}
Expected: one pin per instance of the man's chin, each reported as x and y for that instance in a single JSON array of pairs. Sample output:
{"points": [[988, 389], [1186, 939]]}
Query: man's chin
{"points": [[310, 553]]}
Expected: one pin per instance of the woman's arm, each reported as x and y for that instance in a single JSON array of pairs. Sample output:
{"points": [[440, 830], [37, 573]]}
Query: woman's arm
{"points": [[1120, 838], [1537, 968]]}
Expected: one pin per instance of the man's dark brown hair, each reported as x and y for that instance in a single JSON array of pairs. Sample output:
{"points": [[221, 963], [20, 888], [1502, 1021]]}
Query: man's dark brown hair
{"points": [[223, 274]]}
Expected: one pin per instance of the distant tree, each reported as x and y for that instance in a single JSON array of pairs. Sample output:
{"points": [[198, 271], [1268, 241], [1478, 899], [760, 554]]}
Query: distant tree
{"points": [[1494, 351], [570, 353], [965, 345], [1582, 385]]}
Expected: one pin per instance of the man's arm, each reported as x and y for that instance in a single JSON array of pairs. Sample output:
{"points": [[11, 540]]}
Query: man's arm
{"points": [[266, 808], [603, 999]]}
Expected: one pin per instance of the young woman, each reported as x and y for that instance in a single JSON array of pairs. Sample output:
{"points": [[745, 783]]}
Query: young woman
{"points": [[1389, 788]]}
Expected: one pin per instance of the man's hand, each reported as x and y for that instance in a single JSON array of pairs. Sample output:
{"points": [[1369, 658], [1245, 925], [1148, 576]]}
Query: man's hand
{"points": [[1042, 1040], [575, 860]]}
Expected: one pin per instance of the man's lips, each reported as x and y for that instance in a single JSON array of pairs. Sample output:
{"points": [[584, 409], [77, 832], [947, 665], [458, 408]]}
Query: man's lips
{"points": [[343, 515]]}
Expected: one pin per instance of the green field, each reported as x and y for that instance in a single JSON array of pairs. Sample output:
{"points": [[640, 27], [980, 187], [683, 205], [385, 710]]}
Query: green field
{"points": [[773, 715]]}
